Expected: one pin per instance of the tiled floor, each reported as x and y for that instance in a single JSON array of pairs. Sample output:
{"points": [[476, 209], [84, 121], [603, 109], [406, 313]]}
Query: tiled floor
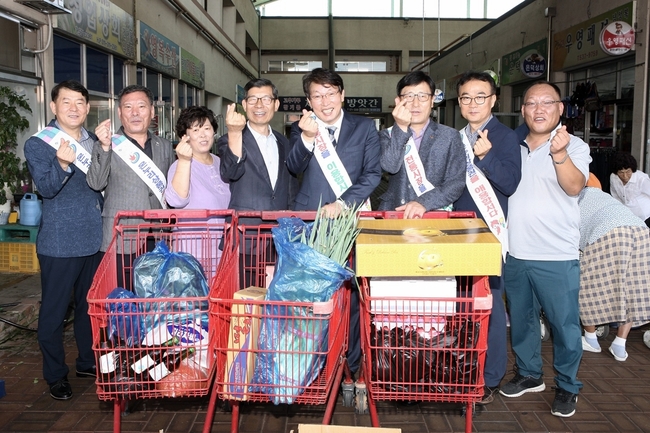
{"points": [[615, 398]]}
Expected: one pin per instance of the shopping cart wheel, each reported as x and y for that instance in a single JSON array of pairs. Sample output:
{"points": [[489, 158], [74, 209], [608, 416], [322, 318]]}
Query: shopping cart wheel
{"points": [[347, 389], [361, 399], [602, 331], [546, 331]]}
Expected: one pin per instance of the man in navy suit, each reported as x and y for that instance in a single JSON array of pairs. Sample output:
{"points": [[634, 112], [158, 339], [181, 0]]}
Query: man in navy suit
{"points": [[354, 143], [354, 139], [253, 158]]}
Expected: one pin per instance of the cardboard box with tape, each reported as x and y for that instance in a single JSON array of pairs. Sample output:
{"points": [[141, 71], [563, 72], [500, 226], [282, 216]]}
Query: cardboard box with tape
{"points": [[426, 247]]}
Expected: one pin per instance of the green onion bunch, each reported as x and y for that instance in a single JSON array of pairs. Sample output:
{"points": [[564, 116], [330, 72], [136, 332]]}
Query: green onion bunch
{"points": [[333, 237]]}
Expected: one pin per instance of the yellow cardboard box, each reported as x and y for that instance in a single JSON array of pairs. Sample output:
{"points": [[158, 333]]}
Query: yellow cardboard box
{"points": [[315, 428], [242, 343], [426, 247]]}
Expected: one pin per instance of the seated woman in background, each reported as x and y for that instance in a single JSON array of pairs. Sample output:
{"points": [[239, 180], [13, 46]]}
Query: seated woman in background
{"points": [[194, 180], [614, 269], [631, 186]]}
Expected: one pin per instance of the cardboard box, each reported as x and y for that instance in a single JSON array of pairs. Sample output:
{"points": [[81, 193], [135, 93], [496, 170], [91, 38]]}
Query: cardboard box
{"points": [[242, 343], [429, 288], [426, 247], [314, 428]]}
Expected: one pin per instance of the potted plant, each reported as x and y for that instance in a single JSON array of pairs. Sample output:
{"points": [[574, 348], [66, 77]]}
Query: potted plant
{"points": [[12, 122]]}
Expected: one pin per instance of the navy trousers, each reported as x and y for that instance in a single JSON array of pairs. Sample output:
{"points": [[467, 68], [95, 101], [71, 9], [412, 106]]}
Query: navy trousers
{"points": [[354, 339], [496, 358], [62, 278]]}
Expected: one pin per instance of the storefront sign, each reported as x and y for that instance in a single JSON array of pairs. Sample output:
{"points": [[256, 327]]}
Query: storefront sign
{"points": [[101, 23], [525, 63], [617, 38], [192, 69], [157, 52], [363, 105], [293, 104], [580, 44], [439, 94]]}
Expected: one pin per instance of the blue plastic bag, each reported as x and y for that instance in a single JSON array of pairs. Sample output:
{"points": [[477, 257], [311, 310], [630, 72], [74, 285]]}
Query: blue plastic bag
{"points": [[284, 365], [165, 274], [125, 318]]}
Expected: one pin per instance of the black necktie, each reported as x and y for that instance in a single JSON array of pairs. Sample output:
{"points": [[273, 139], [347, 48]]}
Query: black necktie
{"points": [[332, 130]]}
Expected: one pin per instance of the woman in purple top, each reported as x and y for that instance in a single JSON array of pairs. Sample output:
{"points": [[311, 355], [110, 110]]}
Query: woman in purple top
{"points": [[194, 180]]}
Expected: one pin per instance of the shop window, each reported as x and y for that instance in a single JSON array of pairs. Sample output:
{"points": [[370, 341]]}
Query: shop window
{"points": [[152, 83], [361, 66], [293, 65], [181, 95], [67, 60], [97, 70], [118, 75], [166, 89]]}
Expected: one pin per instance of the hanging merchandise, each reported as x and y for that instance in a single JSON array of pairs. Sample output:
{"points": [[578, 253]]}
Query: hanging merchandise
{"points": [[592, 100]]}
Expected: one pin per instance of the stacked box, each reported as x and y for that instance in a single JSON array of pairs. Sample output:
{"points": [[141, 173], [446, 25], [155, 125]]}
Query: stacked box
{"points": [[242, 342]]}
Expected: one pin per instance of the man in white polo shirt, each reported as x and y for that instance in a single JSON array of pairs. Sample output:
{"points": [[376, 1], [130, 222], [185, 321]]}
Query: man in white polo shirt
{"points": [[542, 269]]}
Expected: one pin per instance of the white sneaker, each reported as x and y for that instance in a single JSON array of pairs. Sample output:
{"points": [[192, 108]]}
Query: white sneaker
{"points": [[646, 338], [616, 357], [588, 347]]}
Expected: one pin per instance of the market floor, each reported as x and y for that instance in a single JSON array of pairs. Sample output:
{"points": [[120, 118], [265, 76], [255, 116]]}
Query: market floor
{"points": [[615, 398]]}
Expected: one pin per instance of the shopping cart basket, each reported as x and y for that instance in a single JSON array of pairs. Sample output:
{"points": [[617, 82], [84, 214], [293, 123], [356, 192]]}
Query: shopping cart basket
{"points": [[135, 371], [308, 333], [424, 349]]}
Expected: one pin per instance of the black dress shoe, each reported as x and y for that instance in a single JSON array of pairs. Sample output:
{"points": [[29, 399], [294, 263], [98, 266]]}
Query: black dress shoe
{"points": [[61, 390], [91, 372]]}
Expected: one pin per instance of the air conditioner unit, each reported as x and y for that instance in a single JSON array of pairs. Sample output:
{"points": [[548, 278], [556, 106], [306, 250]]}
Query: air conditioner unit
{"points": [[46, 6]]}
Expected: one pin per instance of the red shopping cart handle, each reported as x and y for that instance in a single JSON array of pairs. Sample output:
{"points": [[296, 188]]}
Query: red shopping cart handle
{"points": [[425, 232], [277, 214], [391, 215]]}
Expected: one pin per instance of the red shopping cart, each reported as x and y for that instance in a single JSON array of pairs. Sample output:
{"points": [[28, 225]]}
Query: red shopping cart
{"points": [[131, 369], [309, 338], [422, 348]]}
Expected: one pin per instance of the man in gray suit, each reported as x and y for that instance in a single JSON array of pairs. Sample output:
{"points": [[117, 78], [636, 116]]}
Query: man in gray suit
{"points": [[127, 185], [425, 160]]}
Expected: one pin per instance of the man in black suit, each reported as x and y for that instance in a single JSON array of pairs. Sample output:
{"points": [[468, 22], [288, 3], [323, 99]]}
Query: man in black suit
{"points": [[338, 154], [253, 158]]}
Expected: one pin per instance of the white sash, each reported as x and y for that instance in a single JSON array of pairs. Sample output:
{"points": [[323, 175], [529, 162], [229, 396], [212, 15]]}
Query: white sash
{"points": [[335, 173], [141, 164], [414, 168], [484, 197], [53, 137]]}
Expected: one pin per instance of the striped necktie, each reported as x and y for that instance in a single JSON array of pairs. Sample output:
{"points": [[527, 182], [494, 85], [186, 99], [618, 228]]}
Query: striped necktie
{"points": [[332, 130]]}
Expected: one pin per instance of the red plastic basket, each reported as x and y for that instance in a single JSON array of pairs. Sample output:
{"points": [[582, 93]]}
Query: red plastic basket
{"points": [[302, 319], [209, 237]]}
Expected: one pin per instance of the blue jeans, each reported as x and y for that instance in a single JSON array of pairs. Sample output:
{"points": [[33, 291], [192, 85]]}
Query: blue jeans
{"points": [[553, 286]]}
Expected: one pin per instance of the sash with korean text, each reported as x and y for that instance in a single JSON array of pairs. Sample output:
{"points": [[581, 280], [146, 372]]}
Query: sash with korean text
{"points": [[484, 197], [330, 163], [53, 137], [414, 168], [141, 164]]}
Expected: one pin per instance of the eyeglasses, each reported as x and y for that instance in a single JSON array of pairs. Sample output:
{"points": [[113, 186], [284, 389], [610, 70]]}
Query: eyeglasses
{"points": [[422, 97], [480, 100], [266, 100], [545, 104], [318, 98]]}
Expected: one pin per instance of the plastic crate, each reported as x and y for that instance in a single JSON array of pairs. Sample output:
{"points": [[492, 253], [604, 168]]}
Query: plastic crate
{"points": [[18, 233], [18, 257]]}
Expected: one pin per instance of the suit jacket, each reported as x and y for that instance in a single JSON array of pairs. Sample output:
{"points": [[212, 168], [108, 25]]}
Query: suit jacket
{"points": [[71, 225], [123, 189], [250, 184], [443, 158], [501, 166], [357, 147]]}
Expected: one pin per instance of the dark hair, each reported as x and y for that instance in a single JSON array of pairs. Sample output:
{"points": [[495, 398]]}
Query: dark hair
{"points": [[73, 85], [324, 77], [476, 76], [132, 89], [624, 160], [191, 115], [261, 82], [540, 83], [413, 79]]}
